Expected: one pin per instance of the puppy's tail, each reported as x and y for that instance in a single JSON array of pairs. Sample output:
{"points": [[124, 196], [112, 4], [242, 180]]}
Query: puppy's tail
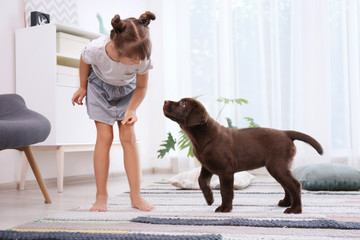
{"points": [[294, 135]]}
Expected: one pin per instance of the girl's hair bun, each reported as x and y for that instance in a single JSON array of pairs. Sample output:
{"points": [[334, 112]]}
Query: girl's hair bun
{"points": [[118, 24], [146, 17]]}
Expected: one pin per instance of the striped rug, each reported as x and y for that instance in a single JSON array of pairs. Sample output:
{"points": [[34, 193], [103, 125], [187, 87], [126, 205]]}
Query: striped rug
{"points": [[184, 214]]}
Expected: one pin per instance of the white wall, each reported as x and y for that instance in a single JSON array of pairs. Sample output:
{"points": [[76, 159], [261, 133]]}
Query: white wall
{"points": [[151, 121]]}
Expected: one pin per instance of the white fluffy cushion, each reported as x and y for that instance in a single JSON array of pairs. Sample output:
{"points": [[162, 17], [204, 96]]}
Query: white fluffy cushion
{"points": [[189, 180]]}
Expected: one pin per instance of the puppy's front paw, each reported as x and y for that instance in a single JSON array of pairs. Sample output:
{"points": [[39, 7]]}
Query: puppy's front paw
{"points": [[223, 208], [295, 210], [284, 203]]}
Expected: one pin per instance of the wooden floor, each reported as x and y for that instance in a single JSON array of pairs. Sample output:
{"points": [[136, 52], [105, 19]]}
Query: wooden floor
{"points": [[18, 207]]}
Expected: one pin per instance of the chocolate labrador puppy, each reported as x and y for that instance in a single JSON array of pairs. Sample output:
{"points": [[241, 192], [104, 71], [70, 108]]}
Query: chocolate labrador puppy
{"points": [[225, 151]]}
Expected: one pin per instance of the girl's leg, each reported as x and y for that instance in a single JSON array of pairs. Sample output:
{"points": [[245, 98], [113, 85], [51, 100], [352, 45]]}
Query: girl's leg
{"points": [[132, 167], [101, 164]]}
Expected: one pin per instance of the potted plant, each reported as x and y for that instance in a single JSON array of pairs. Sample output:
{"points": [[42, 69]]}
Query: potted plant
{"points": [[184, 142]]}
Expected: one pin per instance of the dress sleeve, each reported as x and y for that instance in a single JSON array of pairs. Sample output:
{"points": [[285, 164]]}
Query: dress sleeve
{"points": [[89, 51], [86, 55], [144, 66]]}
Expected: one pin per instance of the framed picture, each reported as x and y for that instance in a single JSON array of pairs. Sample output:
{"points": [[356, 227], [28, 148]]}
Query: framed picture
{"points": [[39, 18]]}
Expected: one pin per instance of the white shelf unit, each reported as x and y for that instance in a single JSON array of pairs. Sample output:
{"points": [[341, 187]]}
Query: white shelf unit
{"points": [[49, 92]]}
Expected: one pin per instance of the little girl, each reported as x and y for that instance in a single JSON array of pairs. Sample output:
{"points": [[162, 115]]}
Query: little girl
{"points": [[113, 77]]}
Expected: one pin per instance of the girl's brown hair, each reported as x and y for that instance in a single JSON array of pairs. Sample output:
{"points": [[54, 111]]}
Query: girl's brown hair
{"points": [[131, 36]]}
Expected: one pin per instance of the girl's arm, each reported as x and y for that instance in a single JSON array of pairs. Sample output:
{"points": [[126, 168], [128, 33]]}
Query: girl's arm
{"points": [[84, 70], [138, 96]]}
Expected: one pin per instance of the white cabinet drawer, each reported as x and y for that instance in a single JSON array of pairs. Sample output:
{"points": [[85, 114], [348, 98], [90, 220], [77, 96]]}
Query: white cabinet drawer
{"points": [[67, 76], [68, 44]]}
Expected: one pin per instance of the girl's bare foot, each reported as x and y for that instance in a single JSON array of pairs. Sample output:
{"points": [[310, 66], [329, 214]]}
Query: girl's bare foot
{"points": [[100, 204], [137, 201]]}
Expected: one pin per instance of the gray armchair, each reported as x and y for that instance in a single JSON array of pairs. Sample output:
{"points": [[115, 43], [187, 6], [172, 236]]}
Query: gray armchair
{"points": [[21, 127]]}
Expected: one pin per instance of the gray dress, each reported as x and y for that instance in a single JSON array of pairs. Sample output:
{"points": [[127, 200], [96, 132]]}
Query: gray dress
{"points": [[107, 103]]}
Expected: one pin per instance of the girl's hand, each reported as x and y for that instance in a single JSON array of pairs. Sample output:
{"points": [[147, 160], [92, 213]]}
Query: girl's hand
{"points": [[78, 96], [130, 118]]}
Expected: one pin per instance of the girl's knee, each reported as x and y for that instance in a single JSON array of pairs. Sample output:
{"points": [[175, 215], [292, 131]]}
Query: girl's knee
{"points": [[105, 136], [127, 138], [104, 132]]}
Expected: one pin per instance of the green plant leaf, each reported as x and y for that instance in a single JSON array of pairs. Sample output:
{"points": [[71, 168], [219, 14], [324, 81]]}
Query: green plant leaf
{"points": [[239, 101], [197, 96], [252, 123], [225, 101], [168, 144], [184, 143], [229, 122]]}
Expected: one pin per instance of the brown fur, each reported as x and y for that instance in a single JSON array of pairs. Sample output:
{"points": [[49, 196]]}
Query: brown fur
{"points": [[225, 151]]}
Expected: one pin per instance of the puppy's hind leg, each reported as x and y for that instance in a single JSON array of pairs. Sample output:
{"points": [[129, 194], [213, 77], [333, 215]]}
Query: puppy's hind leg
{"points": [[204, 183], [291, 186], [286, 202]]}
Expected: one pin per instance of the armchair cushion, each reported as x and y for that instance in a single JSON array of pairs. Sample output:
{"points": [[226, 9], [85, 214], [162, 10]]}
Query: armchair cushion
{"points": [[20, 126]]}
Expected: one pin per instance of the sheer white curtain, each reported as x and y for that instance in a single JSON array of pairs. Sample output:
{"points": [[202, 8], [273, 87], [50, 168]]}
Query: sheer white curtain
{"points": [[345, 81], [296, 61]]}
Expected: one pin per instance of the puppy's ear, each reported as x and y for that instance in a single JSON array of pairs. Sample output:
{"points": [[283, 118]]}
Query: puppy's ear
{"points": [[196, 117]]}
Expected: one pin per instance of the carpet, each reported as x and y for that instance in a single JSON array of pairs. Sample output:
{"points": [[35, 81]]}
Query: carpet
{"points": [[322, 223], [19, 235], [184, 214]]}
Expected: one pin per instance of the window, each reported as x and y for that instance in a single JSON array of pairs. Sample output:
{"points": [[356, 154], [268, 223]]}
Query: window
{"points": [[262, 51]]}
